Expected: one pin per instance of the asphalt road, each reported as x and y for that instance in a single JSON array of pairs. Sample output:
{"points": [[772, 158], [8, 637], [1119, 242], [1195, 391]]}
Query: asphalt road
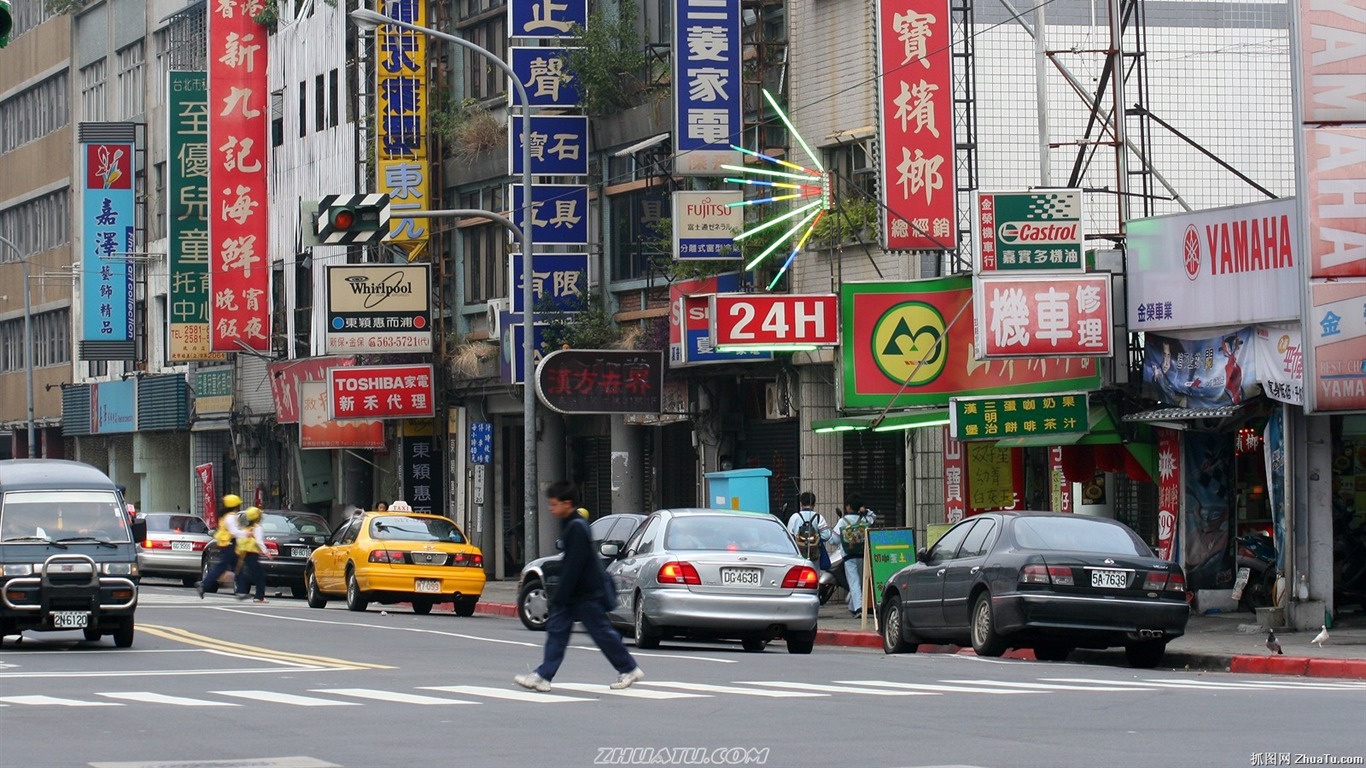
{"points": [[284, 686]]}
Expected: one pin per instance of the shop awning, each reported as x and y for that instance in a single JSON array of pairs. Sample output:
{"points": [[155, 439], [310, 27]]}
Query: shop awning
{"points": [[1039, 441], [1178, 415], [844, 424], [894, 422]]}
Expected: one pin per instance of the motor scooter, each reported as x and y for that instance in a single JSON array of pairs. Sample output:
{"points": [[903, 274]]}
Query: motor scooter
{"points": [[831, 578], [1257, 553]]}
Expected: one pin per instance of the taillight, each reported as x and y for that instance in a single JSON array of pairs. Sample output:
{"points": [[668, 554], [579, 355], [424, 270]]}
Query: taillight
{"points": [[1156, 581], [391, 556], [154, 544], [1176, 582], [272, 548], [677, 572], [199, 545], [468, 559], [800, 577], [1038, 573]]}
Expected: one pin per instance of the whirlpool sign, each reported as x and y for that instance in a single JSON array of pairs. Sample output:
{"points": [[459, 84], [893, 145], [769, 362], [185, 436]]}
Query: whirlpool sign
{"points": [[379, 308]]}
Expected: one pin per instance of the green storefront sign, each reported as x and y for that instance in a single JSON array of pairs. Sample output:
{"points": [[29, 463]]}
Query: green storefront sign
{"points": [[1030, 232], [992, 418], [187, 217], [889, 550]]}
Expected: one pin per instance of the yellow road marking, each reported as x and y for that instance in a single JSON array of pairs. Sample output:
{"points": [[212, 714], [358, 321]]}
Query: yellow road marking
{"points": [[182, 636]]}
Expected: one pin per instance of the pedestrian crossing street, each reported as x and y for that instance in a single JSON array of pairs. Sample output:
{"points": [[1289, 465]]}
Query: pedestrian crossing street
{"points": [[664, 690]]}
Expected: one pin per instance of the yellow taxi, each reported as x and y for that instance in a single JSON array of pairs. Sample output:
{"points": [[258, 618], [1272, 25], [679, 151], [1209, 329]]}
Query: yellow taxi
{"points": [[393, 557]]}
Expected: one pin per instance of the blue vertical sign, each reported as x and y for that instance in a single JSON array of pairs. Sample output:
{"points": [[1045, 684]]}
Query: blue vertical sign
{"points": [[559, 281], [559, 145], [543, 74], [514, 339], [559, 213], [706, 80], [545, 18], [108, 237], [481, 443]]}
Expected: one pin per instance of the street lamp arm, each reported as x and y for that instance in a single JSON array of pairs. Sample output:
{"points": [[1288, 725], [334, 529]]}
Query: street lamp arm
{"points": [[28, 344], [464, 213]]}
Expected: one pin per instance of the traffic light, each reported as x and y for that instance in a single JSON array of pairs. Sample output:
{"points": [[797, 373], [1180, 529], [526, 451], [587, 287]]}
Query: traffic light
{"points": [[352, 219], [6, 22]]}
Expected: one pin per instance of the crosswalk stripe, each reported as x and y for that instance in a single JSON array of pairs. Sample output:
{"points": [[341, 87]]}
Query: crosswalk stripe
{"points": [[833, 688], [505, 693], [396, 697], [729, 689], [1054, 686], [634, 692], [286, 698], [147, 697], [930, 687], [56, 701]]}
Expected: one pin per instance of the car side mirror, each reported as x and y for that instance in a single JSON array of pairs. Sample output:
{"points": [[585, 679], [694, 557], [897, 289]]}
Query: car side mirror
{"points": [[922, 555], [610, 549]]}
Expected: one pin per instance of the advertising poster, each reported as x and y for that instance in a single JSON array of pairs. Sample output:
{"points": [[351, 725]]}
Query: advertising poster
{"points": [[1280, 362], [1168, 490], [204, 474], [891, 549], [1208, 485], [1200, 372], [317, 430], [1273, 453]]}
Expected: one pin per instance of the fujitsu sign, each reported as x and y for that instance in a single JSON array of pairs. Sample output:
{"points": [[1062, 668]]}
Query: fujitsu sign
{"points": [[1245, 255]]}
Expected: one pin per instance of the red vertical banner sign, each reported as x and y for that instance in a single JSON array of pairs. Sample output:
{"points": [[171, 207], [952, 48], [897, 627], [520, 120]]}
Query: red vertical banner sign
{"points": [[915, 94], [239, 141], [204, 473], [1168, 490], [955, 479], [1061, 488]]}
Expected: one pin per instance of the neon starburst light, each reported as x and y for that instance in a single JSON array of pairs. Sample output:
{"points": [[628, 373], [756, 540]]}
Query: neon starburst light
{"points": [[795, 183]]}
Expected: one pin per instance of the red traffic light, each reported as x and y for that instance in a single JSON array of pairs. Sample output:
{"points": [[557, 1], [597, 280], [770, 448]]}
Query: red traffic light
{"points": [[343, 218]]}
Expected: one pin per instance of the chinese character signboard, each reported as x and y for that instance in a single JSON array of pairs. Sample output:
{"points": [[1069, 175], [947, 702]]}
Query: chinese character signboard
{"points": [[705, 224], [513, 367], [379, 308], [108, 237], [545, 18], [481, 443], [559, 213], [916, 93], [955, 478], [187, 217], [421, 474], [1062, 315], [995, 477], [891, 549], [690, 340], [1029, 232], [402, 93], [706, 86], [1279, 353], [208, 500], [381, 392], [285, 379], [601, 381], [559, 145], [1246, 255], [992, 418], [774, 320], [542, 72], [213, 390], [911, 344], [113, 407], [559, 281], [239, 138], [1336, 327], [317, 430], [1168, 490]]}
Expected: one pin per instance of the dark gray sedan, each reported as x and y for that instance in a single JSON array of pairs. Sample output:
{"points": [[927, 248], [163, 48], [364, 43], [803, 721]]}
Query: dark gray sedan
{"points": [[1037, 580], [713, 574], [540, 576]]}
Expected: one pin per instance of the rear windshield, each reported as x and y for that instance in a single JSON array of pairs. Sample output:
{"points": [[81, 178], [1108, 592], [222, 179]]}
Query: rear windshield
{"points": [[277, 524], [733, 533], [175, 524], [1077, 534], [399, 528], [59, 515]]}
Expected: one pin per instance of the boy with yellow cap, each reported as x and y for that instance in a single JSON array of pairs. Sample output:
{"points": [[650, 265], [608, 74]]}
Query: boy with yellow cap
{"points": [[227, 532], [251, 547]]}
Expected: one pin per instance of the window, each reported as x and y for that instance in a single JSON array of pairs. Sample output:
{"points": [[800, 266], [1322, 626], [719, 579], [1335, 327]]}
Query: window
{"points": [[92, 91], [947, 546], [277, 118], [36, 225], [132, 88], [484, 249], [332, 109], [979, 540], [51, 340], [488, 30], [303, 108], [637, 241], [34, 112], [158, 203], [319, 104], [161, 43], [27, 14]]}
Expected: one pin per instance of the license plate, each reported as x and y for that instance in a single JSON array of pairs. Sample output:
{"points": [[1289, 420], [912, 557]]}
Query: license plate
{"points": [[429, 585], [741, 577], [298, 551], [182, 546], [1109, 579], [70, 619]]}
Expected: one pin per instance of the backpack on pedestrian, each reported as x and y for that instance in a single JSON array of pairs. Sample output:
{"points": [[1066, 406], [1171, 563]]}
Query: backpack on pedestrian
{"points": [[809, 535], [853, 535]]}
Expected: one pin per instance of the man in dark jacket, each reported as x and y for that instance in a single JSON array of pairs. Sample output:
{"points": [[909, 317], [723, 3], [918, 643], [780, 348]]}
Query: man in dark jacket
{"points": [[581, 596]]}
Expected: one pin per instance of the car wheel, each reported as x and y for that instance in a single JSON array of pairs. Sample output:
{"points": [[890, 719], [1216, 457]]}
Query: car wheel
{"points": [[532, 606], [188, 581], [754, 643], [1052, 652], [1145, 655], [92, 634], [203, 577], [985, 641], [422, 607], [893, 638], [315, 597], [123, 636], [355, 599], [801, 642], [298, 591], [647, 635], [465, 606]]}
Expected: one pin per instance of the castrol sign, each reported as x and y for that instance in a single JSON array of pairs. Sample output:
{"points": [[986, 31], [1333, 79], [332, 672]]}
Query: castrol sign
{"points": [[1029, 232]]}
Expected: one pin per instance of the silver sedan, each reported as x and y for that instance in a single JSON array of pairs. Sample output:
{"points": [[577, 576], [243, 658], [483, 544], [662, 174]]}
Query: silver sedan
{"points": [[715, 574]]}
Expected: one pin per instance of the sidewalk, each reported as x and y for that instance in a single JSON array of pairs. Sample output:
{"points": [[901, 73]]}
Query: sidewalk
{"points": [[1229, 642]]}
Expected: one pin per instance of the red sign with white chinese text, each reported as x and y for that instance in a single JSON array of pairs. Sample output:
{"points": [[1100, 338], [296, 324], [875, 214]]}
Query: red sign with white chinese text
{"points": [[239, 142], [1051, 316], [204, 472], [915, 87], [1168, 490], [601, 381], [381, 392], [770, 320], [955, 479], [285, 379]]}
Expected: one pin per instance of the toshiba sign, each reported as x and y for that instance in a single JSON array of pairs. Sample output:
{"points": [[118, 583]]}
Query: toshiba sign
{"points": [[1244, 254]]}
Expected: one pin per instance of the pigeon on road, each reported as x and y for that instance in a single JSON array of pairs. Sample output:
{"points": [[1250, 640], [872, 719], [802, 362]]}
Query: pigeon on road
{"points": [[1321, 637], [1272, 644]]}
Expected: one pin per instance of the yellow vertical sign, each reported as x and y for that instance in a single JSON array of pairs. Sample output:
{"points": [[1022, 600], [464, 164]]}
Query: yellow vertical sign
{"points": [[401, 138]]}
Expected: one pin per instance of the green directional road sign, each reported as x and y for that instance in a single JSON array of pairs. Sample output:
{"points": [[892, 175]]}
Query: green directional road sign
{"points": [[993, 418]]}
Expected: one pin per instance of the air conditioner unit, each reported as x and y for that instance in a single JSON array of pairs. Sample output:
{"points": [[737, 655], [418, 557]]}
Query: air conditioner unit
{"points": [[497, 308], [777, 405]]}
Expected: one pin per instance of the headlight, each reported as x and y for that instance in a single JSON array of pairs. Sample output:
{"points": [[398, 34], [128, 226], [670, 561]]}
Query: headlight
{"points": [[121, 569], [18, 569]]}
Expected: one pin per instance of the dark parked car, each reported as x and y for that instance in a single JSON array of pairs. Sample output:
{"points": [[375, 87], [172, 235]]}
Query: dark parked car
{"points": [[290, 538], [533, 606], [1037, 580]]}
